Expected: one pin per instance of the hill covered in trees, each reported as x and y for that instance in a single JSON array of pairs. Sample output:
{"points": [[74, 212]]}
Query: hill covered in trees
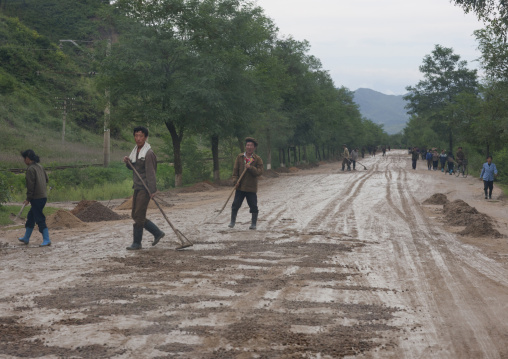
{"points": [[202, 75], [386, 110]]}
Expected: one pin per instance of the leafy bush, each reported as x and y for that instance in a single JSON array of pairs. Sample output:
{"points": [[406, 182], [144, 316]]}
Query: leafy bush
{"points": [[165, 176], [88, 177], [195, 167], [500, 158], [4, 189]]}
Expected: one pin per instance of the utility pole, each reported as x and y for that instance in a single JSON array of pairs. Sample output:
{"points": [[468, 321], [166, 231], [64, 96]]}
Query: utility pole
{"points": [[65, 104], [107, 115]]}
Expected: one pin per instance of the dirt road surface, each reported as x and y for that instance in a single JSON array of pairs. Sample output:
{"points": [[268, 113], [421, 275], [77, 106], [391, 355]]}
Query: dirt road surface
{"points": [[343, 264]]}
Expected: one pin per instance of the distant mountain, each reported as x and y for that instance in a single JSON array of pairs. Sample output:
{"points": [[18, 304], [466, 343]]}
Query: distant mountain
{"points": [[382, 109]]}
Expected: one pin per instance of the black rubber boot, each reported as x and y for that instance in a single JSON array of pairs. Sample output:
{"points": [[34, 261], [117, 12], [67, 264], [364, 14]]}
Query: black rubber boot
{"points": [[254, 220], [485, 194], [137, 237], [233, 218], [155, 231]]}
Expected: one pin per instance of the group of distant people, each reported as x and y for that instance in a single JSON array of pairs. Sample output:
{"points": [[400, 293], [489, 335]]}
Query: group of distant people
{"points": [[447, 161]]}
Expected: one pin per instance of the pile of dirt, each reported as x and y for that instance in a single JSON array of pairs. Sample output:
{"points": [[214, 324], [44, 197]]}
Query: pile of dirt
{"points": [[437, 198], [293, 169], [307, 166], [127, 204], [459, 213], [480, 226], [282, 170], [63, 219], [81, 206], [270, 174], [204, 186], [96, 212]]}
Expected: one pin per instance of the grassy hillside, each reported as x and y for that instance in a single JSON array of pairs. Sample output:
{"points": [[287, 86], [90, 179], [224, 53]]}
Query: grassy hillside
{"points": [[37, 76], [382, 109]]}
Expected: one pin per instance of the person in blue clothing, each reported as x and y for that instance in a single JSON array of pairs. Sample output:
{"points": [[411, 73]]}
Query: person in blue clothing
{"points": [[442, 158], [428, 157], [489, 171]]}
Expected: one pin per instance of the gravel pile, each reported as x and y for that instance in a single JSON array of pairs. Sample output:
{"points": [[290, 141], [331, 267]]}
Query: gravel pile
{"points": [[459, 213], [63, 219], [96, 212], [437, 198]]}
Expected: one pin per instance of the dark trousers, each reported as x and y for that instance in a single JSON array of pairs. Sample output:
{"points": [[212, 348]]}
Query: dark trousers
{"points": [[429, 164], [35, 214], [414, 164], [140, 201], [443, 163], [345, 162], [354, 164], [252, 200], [434, 165], [450, 166], [488, 185]]}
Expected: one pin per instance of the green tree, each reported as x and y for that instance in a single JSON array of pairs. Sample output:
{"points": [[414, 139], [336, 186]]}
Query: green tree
{"points": [[434, 97]]}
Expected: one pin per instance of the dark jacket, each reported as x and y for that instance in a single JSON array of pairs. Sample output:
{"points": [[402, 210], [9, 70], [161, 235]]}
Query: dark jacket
{"points": [[249, 182], [36, 181], [146, 168], [414, 155]]}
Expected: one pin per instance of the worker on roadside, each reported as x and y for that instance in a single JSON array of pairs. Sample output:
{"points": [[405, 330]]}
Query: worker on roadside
{"points": [[345, 158], [354, 157], [442, 158], [451, 162], [414, 157], [435, 159], [248, 167], [144, 161], [428, 157], [460, 156], [489, 171], [36, 195]]}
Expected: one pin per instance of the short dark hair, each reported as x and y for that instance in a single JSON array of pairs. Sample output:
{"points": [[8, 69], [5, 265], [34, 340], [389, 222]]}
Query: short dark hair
{"points": [[251, 139], [141, 129], [489, 156], [31, 155], [459, 148]]}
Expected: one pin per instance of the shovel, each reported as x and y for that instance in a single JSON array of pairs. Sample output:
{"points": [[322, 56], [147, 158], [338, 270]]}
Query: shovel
{"points": [[365, 168], [17, 217], [185, 242]]}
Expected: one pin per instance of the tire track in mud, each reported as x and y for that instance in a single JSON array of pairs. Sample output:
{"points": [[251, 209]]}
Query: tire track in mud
{"points": [[332, 217], [454, 299]]}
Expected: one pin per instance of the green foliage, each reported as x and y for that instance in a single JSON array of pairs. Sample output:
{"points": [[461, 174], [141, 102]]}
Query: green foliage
{"points": [[500, 158], [88, 177], [7, 211], [165, 176], [4, 189], [194, 157]]}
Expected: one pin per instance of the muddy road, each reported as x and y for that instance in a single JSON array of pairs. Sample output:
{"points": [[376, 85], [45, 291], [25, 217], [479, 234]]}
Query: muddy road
{"points": [[343, 264]]}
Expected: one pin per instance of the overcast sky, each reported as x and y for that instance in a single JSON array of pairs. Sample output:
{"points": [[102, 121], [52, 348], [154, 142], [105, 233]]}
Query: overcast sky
{"points": [[376, 44]]}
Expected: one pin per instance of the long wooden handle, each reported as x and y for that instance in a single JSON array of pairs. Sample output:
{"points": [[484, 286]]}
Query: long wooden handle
{"points": [[20, 211], [153, 199], [233, 191]]}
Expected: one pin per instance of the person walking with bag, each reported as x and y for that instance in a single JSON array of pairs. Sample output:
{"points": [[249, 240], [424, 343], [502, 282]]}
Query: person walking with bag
{"points": [[489, 172], [36, 195]]}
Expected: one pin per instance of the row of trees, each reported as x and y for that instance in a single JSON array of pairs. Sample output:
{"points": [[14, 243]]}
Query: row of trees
{"points": [[218, 68], [452, 106]]}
